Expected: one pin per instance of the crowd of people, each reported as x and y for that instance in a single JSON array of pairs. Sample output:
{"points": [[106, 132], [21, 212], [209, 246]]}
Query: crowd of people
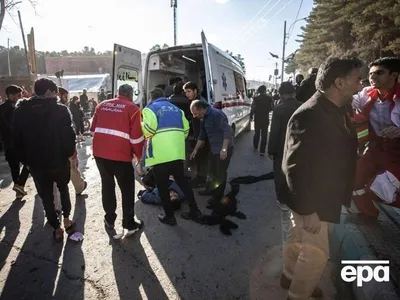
{"points": [[333, 138], [340, 145]]}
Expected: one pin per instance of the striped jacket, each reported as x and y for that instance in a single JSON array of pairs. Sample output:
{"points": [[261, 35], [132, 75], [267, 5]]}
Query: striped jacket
{"points": [[117, 130]]}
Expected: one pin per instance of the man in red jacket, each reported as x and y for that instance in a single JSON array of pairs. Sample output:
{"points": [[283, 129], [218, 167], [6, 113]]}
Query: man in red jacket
{"points": [[117, 137], [380, 104]]}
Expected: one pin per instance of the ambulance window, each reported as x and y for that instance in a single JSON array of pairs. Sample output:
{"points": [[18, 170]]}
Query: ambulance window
{"points": [[128, 76], [239, 82]]}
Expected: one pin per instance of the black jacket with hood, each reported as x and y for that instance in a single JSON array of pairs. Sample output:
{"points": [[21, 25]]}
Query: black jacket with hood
{"points": [[6, 116], [42, 133]]}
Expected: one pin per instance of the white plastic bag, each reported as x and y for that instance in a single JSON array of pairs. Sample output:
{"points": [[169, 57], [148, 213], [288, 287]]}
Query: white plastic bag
{"points": [[386, 186]]}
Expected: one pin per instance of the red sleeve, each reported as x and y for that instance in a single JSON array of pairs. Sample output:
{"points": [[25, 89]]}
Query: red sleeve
{"points": [[135, 134], [94, 121]]}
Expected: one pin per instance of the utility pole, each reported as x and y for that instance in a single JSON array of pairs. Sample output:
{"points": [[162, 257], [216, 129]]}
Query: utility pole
{"points": [[174, 5], [8, 57], [24, 40], [283, 51]]}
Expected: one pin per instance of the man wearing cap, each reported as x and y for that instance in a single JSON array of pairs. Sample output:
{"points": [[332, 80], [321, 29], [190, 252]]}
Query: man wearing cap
{"points": [[117, 138], [277, 135]]}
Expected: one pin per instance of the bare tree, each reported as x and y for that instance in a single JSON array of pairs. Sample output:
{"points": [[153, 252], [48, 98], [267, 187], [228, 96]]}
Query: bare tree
{"points": [[9, 6]]}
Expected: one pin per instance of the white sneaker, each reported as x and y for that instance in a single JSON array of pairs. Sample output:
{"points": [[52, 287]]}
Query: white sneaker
{"points": [[282, 206]]}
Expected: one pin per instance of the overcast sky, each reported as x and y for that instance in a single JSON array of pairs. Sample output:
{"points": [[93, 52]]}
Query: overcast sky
{"points": [[252, 28]]}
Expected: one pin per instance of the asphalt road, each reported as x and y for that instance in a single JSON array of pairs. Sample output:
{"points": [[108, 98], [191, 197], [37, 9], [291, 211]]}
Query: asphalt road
{"points": [[189, 261]]}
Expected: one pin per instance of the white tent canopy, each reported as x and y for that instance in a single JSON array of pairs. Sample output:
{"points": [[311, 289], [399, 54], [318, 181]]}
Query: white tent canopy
{"points": [[75, 84], [92, 83]]}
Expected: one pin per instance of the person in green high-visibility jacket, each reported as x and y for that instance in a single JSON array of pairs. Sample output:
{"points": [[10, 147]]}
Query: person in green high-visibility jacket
{"points": [[165, 127]]}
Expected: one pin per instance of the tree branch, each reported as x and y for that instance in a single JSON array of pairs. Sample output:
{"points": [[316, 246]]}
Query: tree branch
{"points": [[2, 11], [10, 5]]}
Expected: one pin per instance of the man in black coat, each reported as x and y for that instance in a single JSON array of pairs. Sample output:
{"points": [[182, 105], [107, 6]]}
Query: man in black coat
{"points": [[44, 140], [319, 164], [84, 101], [7, 108], [260, 109], [180, 100], [307, 86], [276, 142]]}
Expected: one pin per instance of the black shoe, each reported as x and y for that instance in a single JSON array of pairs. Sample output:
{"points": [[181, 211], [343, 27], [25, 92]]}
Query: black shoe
{"points": [[132, 229], [109, 225], [262, 154], [167, 220], [196, 216]]}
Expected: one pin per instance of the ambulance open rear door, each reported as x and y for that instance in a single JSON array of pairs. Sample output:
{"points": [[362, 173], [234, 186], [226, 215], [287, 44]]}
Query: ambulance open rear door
{"points": [[127, 68]]}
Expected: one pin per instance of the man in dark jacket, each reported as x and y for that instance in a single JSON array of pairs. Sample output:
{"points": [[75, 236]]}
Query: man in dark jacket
{"points": [[221, 145], [19, 177], [299, 79], [77, 117], [307, 87], [169, 90], [180, 100], [44, 140], [260, 109], [276, 142], [319, 164], [202, 158], [102, 96], [84, 101]]}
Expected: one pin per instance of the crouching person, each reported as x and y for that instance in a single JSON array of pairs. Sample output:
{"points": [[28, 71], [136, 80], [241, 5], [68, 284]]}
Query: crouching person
{"points": [[44, 139]]}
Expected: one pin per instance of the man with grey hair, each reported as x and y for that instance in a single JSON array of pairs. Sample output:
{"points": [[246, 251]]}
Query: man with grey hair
{"points": [[319, 164], [166, 128], [117, 140], [215, 128]]}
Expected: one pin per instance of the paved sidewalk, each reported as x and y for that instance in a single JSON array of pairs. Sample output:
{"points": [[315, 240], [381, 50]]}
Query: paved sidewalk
{"points": [[353, 240]]}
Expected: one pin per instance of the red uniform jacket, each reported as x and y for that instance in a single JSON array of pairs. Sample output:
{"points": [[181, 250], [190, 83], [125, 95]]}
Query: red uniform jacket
{"points": [[117, 130]]}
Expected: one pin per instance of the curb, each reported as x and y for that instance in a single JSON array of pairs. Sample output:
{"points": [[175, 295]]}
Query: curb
{"points": [[348, 243]]}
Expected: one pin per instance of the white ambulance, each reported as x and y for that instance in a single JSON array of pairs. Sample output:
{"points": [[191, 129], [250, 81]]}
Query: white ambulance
{"points": [[224, 77]]}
